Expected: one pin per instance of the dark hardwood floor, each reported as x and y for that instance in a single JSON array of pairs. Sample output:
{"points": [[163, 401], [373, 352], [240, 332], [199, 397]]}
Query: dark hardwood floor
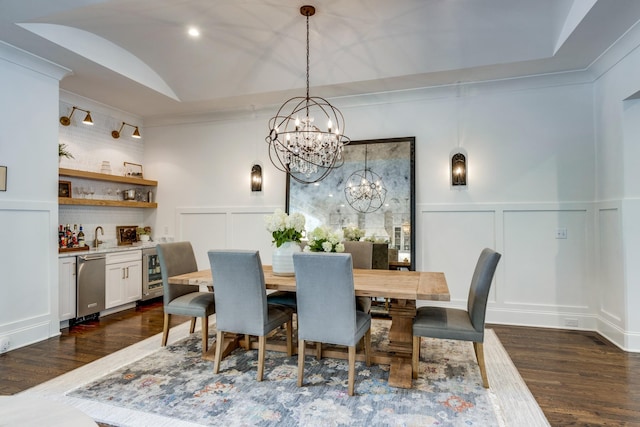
{"points": [[578, 378]]}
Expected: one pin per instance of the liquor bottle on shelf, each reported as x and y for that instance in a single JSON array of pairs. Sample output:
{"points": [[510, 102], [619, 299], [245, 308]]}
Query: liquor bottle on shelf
{"points": [[62, 242], [69, 236], [81, 241], [74, 236]]}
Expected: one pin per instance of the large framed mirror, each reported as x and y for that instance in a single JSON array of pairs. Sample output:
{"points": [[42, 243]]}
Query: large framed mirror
{"points": [[331, 202]]}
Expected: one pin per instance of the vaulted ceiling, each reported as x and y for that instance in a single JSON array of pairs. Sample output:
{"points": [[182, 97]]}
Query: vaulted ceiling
{"points": [[136, 54]]}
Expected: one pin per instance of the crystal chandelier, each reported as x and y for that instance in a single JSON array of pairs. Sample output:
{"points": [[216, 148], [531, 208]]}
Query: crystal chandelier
{"points": [[298, 145], [365, 191]]}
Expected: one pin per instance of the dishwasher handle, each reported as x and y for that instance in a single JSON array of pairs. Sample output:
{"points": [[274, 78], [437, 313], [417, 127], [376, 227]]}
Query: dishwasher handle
{"points": [[92, 257]]}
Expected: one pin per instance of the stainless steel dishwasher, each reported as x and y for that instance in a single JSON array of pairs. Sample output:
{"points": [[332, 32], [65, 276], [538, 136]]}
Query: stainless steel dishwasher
{"points": [[90, 287]]}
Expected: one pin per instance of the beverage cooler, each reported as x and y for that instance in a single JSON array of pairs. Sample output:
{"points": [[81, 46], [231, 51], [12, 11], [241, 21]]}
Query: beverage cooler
{"points": [[151, 275]]}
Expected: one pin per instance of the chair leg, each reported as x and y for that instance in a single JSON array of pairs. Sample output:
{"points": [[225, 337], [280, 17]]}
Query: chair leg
{"points": [[300, 361], [205, 335], [218, 357], [247, 342], [479, 349], [319, 350], [193, 325], [352, 369], [165, 329], [415, 358], [290, 338], [367, 347], [262, 346]]}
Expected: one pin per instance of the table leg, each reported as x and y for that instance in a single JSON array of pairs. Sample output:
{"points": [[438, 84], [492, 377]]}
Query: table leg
{"points": [[402, 313], [231, 342]]}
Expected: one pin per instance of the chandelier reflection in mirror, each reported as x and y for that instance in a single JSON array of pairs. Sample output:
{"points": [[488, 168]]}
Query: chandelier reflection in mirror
{"points": [[298, 145], [365, 191]]}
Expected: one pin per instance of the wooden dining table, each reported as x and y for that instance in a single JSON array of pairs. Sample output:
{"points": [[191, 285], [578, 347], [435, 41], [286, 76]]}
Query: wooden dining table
{"points": [[402, 288]]}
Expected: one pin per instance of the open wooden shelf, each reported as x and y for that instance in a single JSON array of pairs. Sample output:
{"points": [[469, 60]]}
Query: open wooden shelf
{"points": [[72, 173], [98, 202], [106, 177]]}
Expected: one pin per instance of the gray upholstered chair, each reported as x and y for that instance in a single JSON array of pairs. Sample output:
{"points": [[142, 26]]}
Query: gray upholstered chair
{"points": [[362, 257], [241, 300], [459, 324], [185, 300], [326, 308]]}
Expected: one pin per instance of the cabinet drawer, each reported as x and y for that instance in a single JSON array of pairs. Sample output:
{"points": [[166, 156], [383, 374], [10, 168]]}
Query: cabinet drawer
{"points": [[125, 256]]}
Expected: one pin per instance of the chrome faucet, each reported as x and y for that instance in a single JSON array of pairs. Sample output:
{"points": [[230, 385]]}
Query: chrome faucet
{"points": [[96, 242]]}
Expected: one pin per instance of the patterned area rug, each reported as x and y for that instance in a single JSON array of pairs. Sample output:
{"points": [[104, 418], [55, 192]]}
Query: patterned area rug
{"points": [[173, 386]]}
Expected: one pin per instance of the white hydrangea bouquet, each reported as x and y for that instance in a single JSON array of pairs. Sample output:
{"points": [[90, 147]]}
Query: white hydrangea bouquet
{"points": [[285, 228], [323, 239], [353, 233]]}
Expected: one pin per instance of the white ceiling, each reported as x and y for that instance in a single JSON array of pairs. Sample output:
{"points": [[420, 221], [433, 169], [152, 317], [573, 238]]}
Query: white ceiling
{"points": [[135, 54]]}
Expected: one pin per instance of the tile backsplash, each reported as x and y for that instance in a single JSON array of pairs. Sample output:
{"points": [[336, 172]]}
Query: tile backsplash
{"points": [[107, 217]]}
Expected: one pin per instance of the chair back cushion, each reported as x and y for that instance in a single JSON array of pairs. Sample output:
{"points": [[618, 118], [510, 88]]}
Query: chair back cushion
{"points": [[176, 258], [325, 297], [480, 287], [239, 289], [361, 254]]}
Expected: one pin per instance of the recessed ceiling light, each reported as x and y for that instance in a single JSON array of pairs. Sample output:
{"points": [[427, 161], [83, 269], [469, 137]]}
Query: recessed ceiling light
{"points": [[193, 32]]}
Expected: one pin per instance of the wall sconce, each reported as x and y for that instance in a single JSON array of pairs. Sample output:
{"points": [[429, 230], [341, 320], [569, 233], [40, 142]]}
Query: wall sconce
{"points": [[66, 121], [256, 178], [135, 134], [458, 169]]}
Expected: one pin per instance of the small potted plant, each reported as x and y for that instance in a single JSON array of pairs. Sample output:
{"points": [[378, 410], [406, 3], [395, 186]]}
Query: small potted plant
{"points": [[63, 152], [143, 233]]}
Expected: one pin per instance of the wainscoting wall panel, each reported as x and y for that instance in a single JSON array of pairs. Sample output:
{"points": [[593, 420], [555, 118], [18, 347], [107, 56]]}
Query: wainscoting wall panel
{"points": [[610, 267], [205, 229], [451, 242], [543, 279], [224, 228], [545, 269], [23, 318]]}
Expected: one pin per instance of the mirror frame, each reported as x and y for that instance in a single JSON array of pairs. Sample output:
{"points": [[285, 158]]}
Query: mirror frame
{"points": [[372, 143]]}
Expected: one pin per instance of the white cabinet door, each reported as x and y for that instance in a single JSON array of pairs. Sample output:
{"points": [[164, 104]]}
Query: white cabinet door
{"points": [[123, 283], [67, 288], [115, 277], [133, 283]]}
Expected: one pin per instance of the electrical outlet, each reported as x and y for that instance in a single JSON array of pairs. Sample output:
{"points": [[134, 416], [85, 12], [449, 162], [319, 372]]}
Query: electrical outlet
{"points": [[5, 343], [166, 230], [561, 233]]}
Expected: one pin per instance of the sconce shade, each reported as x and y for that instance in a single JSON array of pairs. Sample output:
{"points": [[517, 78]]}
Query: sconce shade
{"points": [[458, 169], [66, 120], [256, 178], [136, 133], [87, 120]]}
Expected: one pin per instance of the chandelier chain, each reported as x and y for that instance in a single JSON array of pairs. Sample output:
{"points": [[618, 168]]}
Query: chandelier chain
{"points": [[307, 60]]}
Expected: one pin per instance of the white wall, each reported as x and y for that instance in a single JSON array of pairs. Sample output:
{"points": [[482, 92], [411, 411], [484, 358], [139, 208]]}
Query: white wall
{"points": [[90, 146], [29, 208], [531, 170], [618, 196], [544, 153]]}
